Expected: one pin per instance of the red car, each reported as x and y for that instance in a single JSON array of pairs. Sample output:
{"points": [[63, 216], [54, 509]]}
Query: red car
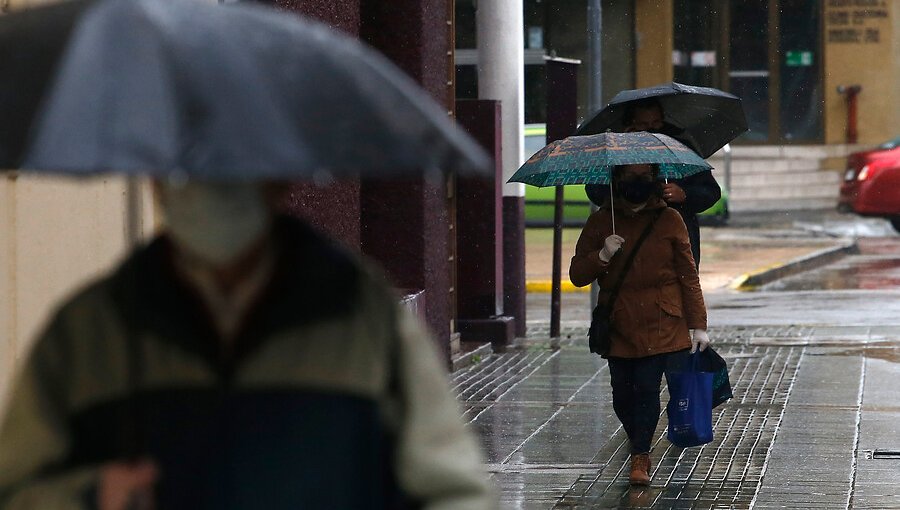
{"points": [[871, 184]]}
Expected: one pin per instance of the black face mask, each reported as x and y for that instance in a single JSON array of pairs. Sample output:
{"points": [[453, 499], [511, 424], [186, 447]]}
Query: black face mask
{"points": [[636, 191]]}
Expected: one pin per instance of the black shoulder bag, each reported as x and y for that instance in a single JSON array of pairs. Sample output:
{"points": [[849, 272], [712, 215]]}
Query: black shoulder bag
{"points": [[601, 327]]}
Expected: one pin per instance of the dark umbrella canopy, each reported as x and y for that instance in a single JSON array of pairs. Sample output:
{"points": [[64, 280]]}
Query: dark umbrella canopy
{"points": [[234, 92], [31, 43], [591, 159], [703, 118]]}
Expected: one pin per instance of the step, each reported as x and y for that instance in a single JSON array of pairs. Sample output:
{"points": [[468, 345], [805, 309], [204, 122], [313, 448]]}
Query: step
{"points": [[784, 179], [766, 166], [471, 353], [752, 205], [791, 151], [785, 192]]}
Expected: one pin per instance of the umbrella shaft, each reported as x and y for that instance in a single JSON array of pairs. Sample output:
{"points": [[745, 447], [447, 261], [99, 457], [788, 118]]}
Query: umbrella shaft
{"points": [[612, 210]]}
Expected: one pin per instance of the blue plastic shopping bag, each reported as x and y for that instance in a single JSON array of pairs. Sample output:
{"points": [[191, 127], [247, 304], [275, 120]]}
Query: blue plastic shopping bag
{"points": [[690, 405]]}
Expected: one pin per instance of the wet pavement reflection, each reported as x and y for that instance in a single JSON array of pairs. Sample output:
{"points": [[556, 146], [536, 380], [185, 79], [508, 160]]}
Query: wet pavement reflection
{"points": [[876, 267]]}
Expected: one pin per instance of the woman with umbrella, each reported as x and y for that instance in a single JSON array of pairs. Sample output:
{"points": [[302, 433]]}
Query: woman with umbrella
{"points": [[639, 252], [658, 304]]}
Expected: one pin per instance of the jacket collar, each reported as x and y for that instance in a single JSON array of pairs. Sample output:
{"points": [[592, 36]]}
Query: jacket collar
{"points": [[313, 280]]}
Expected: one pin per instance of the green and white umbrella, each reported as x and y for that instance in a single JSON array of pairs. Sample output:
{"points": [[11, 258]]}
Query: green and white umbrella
{"points": [[591, 159]]}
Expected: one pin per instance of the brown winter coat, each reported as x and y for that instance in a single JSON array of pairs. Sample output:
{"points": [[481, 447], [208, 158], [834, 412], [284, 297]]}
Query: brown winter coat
{"points": [[660, 299]]}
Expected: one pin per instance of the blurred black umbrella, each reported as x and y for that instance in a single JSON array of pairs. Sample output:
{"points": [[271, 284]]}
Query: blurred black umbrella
{"points": [[31, 43], [703, 118], [227, 92]]}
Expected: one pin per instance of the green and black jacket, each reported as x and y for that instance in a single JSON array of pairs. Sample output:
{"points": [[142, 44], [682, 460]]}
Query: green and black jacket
{"points": [[331, 396]]}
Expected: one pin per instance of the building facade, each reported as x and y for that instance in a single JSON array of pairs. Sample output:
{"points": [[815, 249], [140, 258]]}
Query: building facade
{"points": [[818, 78]]}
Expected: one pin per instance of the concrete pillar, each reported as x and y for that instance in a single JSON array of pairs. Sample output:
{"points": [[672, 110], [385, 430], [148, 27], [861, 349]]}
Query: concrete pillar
{"points": [[499, 27], [655, 35], [501, 76]]}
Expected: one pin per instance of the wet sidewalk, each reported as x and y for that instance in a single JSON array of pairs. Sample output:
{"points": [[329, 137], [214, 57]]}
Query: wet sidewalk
{"points": [[815, 422]]}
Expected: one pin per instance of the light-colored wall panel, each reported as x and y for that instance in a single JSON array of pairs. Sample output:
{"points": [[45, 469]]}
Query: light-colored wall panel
{"points": [[7, 283], [55, 235], [66, 232]]}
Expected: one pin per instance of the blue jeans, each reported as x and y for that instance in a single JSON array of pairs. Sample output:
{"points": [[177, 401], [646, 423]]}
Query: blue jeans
{"points": [[635, 386]]}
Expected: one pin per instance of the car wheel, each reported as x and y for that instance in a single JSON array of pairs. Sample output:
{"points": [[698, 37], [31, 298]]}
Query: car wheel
{"points": [[895, 222]]}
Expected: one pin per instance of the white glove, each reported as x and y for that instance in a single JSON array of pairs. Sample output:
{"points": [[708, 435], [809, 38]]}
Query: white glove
{"points": [[699, 339], [611, 246]]}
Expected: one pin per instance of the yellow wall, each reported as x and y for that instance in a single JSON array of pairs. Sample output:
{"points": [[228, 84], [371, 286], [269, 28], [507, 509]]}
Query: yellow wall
{"points": [[873, 65], [653, 27], [55, 234]]}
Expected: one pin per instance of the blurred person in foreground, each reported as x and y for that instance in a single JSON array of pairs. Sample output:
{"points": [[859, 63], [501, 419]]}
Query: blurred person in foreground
{"points": [[689, 196], [238, 361], [658, 317]]}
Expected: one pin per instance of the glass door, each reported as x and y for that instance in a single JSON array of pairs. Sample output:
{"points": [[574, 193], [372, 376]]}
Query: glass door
{"points": [[767, 52], [749, 76], [800, 99]]}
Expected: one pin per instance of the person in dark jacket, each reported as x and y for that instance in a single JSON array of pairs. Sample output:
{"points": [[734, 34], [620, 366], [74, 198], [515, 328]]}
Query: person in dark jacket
{"points": [[659, 315], [239, 361], [689, 196]]}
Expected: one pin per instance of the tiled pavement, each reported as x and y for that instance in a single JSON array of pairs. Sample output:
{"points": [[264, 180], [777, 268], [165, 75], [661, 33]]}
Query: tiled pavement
{"points": [[814, 414]]}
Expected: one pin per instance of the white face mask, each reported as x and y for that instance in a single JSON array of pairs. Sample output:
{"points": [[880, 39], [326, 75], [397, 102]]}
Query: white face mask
{"points": [[215, 222]]}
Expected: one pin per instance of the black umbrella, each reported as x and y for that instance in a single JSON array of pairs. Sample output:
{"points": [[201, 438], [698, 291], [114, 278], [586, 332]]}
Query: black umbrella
{"points": [[229, 92], [31, 43], [703, 118]]}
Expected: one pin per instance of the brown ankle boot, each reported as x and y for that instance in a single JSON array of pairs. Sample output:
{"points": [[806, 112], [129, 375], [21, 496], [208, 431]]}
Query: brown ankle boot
{"points": [[640, 469]]}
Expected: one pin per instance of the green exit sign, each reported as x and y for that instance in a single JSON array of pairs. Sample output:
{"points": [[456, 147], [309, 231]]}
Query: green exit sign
{"points": [[799, 58]]}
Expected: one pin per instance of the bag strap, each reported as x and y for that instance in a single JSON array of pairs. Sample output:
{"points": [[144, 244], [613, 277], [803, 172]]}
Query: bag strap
{"points": [[614, 292]]}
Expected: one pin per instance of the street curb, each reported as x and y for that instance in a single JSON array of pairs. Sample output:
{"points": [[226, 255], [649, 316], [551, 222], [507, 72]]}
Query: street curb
{"points": [[752, 281], [747, 281]]}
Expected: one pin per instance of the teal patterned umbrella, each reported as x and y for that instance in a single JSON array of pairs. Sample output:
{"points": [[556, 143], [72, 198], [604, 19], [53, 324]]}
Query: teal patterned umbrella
{"points": [[591, 159]]}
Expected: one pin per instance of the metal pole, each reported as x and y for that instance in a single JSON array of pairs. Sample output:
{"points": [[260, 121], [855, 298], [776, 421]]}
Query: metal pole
{"points": [[595, 41], [727, 150], [556, 289], [595, 96]]}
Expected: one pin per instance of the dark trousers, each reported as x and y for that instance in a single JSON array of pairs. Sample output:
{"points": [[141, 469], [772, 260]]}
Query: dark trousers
{"points": [[635, 387]]}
